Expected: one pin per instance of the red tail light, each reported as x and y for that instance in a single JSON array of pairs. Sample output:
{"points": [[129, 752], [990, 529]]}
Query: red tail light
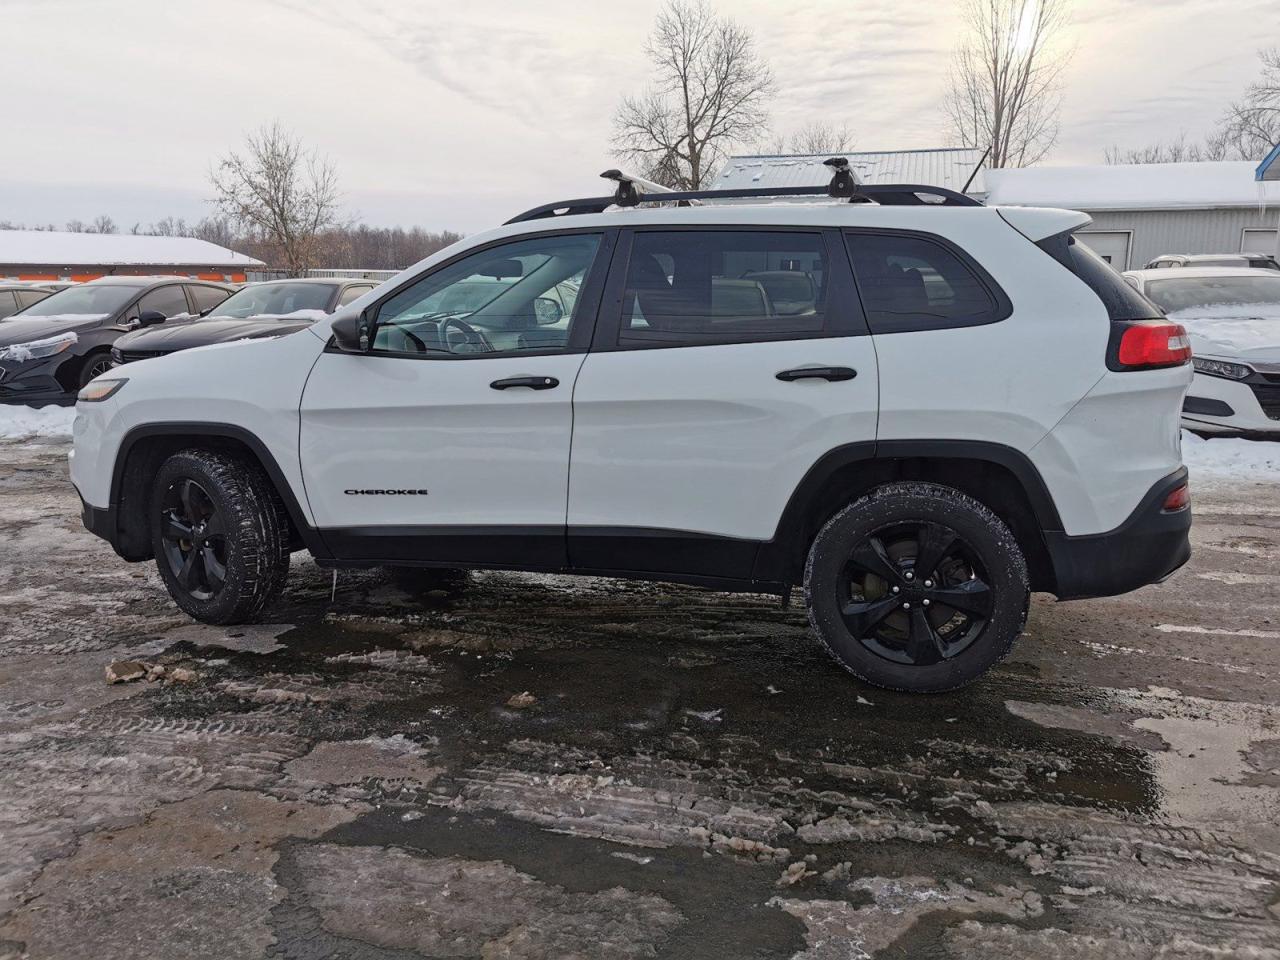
{"points": [[1178, 499], [1153, 343]]}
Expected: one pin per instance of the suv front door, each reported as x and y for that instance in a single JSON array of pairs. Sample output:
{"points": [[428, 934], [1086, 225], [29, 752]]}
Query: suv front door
{"points": [[449, 441], [730, 362]]}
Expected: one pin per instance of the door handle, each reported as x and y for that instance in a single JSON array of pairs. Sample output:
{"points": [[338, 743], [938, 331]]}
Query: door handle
{"points": [[832, 374], [534, 383]]}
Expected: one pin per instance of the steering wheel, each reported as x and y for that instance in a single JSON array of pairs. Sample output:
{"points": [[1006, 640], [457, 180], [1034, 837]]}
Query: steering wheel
{"points": [[470, 334]]}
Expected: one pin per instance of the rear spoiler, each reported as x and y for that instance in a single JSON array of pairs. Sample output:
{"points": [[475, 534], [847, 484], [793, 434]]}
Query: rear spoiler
{"points": [[1036, 223]]}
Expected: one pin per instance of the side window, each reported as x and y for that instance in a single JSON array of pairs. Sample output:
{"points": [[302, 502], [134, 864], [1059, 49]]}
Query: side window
{"points": [[914, 283], [207, 297], [352, 293], [503, 299], [167, 300], [693, 287], [8, 303]]}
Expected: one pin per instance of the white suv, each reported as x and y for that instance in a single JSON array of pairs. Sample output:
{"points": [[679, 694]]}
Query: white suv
{"points": [[919, 407]]}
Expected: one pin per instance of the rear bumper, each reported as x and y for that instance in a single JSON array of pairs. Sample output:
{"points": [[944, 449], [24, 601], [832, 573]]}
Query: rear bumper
{"points": [[1149, 546]]}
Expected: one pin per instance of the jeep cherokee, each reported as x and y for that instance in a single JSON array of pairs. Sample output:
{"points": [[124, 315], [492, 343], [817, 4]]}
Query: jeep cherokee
{"points": [[918, 407]]}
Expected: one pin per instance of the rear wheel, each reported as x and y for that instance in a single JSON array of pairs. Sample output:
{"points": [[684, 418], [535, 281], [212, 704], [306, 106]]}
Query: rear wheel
{"points": [[917, 586], [220, 535]]}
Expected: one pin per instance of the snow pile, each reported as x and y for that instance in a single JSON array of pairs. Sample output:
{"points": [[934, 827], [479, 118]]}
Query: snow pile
{"points": [[1232, 329], [21, 423], [1230, 458]]}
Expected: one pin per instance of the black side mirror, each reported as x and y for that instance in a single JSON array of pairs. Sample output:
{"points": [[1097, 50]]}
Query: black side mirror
{"points": [[353, 333], [149, 318]]}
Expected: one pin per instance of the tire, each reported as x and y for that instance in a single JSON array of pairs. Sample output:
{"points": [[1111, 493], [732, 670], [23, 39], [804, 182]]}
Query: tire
{"points": [[862, 570], [95, 364], [425, 579], [228, 503]]}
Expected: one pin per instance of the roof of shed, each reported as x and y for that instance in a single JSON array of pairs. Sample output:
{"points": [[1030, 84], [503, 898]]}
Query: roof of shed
{"points": [[1134, 186], [90, 249]]}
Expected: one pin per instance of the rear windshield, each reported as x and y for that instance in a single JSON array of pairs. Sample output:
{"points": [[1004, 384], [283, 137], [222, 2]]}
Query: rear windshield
{"points": [[1122, 301]]}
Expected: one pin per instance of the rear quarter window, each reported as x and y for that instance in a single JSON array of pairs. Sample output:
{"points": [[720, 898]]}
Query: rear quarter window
{"points": [[1122, 301]]}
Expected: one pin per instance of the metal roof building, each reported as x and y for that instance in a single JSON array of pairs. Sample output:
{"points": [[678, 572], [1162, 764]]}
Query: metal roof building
{"points": [[1143, 210], [54, 255], [945, 167]]}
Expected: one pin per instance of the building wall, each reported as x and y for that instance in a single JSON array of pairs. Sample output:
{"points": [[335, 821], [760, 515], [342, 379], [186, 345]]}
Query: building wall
{"points": [[1183, 231], [82, 272]]}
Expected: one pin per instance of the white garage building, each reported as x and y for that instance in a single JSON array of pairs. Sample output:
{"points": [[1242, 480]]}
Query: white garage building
{"points": [[1143, 210], [1139, 210]]}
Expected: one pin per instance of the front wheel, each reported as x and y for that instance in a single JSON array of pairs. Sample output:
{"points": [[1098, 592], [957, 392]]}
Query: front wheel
{"points": [[95, 365], [917, 586], [220, 535]]}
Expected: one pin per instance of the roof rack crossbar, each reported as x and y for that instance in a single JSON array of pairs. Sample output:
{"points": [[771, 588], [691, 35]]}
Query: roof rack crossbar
{"points": [[886, 194]]}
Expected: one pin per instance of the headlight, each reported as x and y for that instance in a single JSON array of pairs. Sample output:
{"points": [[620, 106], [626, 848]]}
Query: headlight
{"points": [[38, 349], [101, 390], [1221, 368]]}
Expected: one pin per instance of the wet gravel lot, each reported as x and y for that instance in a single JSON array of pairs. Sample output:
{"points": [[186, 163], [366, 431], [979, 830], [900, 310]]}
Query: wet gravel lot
{"points": [[531, 766]]}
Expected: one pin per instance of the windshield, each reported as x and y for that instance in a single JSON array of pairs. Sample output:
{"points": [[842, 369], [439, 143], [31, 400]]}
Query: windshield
{"points": [[1223, 296], [274, 298], [86, 300]]}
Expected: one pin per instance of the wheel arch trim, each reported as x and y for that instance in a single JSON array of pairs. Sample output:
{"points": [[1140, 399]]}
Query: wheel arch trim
{"points": [[197, 431], [776, 553]]}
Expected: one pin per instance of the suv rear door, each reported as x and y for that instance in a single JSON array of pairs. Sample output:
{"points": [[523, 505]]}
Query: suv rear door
{"points": [[449, 442], [727, 362]]}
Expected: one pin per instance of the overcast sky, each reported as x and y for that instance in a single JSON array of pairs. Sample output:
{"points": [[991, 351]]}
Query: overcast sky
{"points": [[459, 114]]}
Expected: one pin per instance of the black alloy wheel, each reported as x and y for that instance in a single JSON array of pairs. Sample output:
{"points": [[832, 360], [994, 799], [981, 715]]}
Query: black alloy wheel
{"points": [[917, 586], [916, 593], [194, 537]]}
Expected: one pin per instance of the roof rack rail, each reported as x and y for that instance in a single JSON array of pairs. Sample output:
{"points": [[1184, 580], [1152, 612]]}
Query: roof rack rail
{"points": [[633, 191]]}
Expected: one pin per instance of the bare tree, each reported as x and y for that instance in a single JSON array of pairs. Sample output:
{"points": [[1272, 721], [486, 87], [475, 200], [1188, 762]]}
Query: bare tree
{"points": [[103, 224], [820, 137], [813, 138], [1177, 150], [1252, 125], [710, 91], [1006, 79], [279, 190], [76, 226], [1248, 130]]}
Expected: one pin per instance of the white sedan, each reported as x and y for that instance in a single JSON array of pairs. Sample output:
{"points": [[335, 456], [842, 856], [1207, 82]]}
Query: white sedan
{"points": [[1233, 317]]}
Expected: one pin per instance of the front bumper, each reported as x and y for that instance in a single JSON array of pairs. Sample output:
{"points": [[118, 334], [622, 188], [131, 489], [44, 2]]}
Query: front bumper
{"points": [[33, 383], [1233, 407], [1149, 546]]}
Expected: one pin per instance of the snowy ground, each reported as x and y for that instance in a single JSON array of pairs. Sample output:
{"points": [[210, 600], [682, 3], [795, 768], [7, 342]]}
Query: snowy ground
{"points": [[528, 766]]}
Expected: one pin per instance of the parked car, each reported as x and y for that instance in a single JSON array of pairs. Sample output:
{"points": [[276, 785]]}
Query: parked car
{"points": [[1233, 319], [52, 348], [268, 309], [1264, 261], [917, 443], [19, 296]]}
